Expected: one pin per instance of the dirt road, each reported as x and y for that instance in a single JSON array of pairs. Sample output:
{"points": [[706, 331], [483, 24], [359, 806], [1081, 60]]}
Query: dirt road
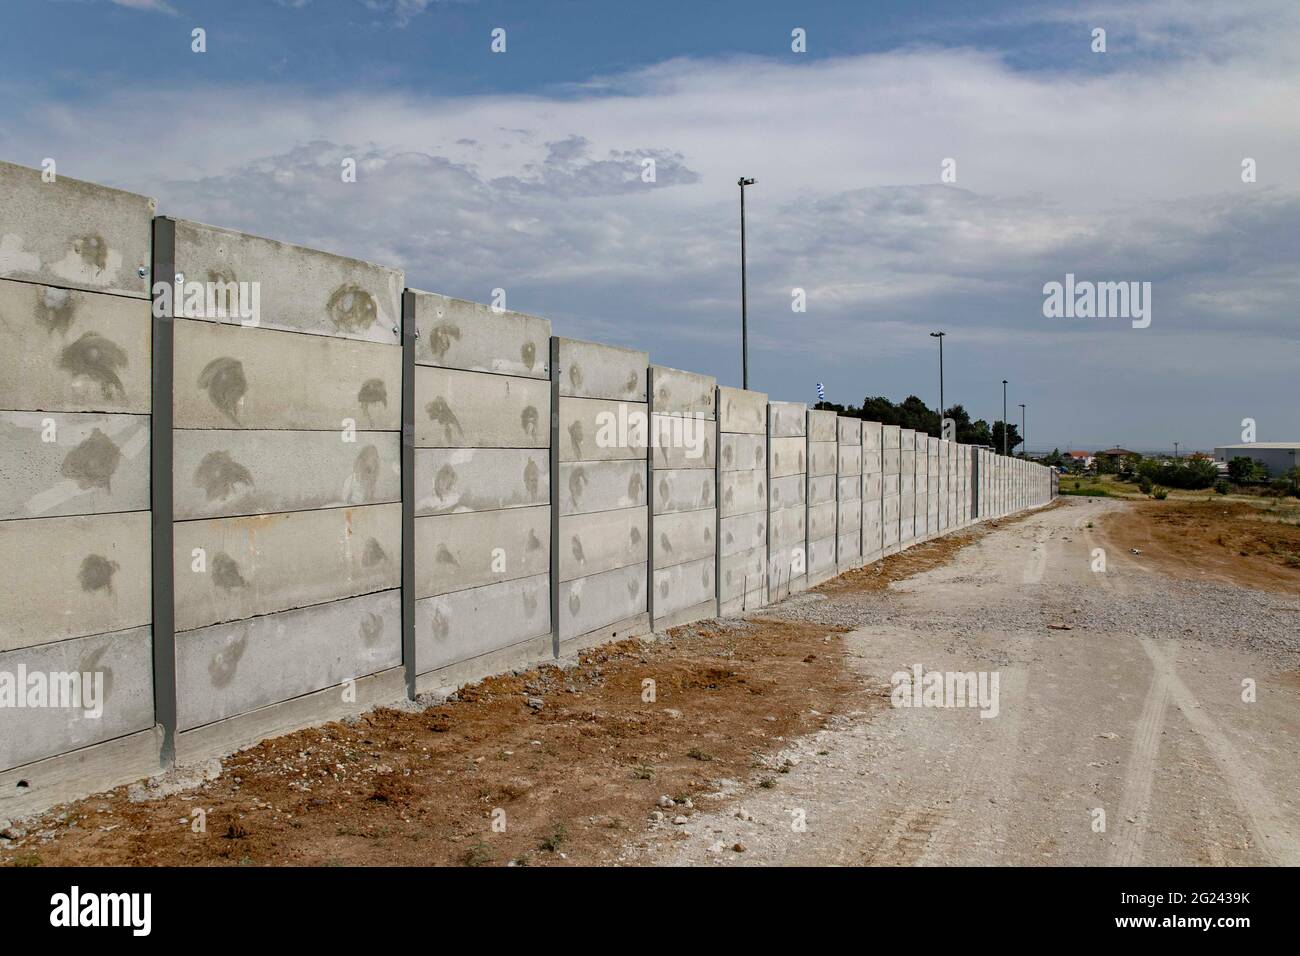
{"points": [[1121, 735]]}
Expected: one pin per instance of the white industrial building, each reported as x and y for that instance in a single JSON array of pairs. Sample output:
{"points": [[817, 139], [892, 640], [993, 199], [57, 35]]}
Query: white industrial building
{"points": [[1278, 457]]}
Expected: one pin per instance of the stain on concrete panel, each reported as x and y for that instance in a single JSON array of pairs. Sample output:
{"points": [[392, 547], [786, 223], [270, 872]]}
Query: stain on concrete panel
{"points": [[233, 377], [604, 541], [849, 515], [300, 289], [281, 561], [890, 436], [231, 669], [468, 549], [125, 662], [689, 489], [590, 603], [601, 486], [96, 464], [848, 431], [742, 453], [592, 370], [849, 461], [682, 393], [73, 234], [457, 409], [688, 536], [449, 480], [220, 473], [73, 577], [598, 430], [742, 412], [742, 533], [455, 333], [460, 626]]}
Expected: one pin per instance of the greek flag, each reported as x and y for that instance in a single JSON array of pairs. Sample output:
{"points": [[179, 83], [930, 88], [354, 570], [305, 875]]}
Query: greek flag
{"points": [[821, 392]]}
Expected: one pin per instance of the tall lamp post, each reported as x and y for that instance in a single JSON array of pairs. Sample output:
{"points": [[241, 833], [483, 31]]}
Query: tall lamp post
{"points": [[744, 317], [939, 336], [1175, 451], [1024, 443], [1004, 418]]}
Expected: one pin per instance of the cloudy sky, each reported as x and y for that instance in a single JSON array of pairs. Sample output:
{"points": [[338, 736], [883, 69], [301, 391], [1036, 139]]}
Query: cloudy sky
{"points": [[522, 170]]}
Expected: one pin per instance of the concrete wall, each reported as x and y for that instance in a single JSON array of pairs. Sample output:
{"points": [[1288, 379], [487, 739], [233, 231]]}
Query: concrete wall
{"points": [[244, 527], [601, 440], [287, 550], [75, 536], [787, 499], [482, 489], [742, 500], [683, 521]]}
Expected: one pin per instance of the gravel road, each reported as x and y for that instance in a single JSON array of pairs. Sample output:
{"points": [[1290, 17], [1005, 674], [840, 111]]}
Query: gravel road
{"points": [[1123, 733]]}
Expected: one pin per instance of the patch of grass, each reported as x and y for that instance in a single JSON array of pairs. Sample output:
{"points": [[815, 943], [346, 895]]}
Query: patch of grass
{"points": [[695, 753], [1091, 490], [551, 843], [644, 773], [767, 783], [479, 854]]}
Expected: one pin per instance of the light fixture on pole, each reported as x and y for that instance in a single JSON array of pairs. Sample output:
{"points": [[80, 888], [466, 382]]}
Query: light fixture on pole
{"points": [[744, 318], [939, 336]]}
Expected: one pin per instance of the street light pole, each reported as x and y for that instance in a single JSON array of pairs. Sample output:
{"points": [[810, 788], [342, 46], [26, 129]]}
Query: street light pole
{"points": [[1004, 418], [744, 317], [1024, 443], [939, 336], [1175, 451]]}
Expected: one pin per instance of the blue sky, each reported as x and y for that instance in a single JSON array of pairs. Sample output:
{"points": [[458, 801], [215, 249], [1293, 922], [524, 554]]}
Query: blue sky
{"points": [[522, 171]]}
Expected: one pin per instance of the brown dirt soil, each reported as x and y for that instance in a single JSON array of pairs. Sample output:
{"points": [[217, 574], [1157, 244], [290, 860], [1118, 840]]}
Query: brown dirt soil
{"points": [[1213, 540], [576, 778]]}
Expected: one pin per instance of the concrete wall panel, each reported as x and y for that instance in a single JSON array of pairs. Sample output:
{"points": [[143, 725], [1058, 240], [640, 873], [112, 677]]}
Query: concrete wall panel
{"points": [[73, 234], [95, 464], [849, 460], [683, 585], [689, 489], [743, 492], [742, 580], [742, 533], [455, 333], [789, 457], [788, 420], [480, 479], [72, 351], [267, 563], [454, 409], [683, 393], [604, 541], [73, 577], [455, 627], [235, 668], [598, 430], [821, 521], [472, 549], [821, 489], [301, 289], [125, 662], [599, 600], [741, 412], [591, 370], [822, 458], [232, 377], [790, 492], [848, 431], [601, 486], [683, 442], [688, 536], [787, 528], [822, 425], [222, 473]]}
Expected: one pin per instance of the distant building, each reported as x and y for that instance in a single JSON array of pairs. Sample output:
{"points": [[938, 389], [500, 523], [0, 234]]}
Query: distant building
{"points": [[1083, 458], [1115, 455], [1278, 457]]}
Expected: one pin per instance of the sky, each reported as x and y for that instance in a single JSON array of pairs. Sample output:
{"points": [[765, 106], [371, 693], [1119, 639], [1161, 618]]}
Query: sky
{"points": [[524, 170]]}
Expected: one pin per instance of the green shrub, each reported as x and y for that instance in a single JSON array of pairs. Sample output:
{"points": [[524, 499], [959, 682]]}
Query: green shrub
{"points": [[1221, 487], [1160, 494], [1144, 485]]}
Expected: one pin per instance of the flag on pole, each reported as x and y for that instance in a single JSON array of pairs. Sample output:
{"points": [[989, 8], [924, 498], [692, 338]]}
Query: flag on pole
{"points": [[821, 392]]}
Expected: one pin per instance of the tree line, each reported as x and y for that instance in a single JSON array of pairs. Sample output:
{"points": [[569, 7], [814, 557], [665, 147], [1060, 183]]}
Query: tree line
{"points": [[915, 414]]}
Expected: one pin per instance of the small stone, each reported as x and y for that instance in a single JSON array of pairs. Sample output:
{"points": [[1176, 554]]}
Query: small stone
{"points": [[536, 703], [680, 820], [667, 801], [743, 814], [738, 847]]}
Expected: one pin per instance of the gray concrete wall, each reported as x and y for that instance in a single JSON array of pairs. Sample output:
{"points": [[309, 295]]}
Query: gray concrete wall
{"points": [[787, 499], [823, 488], [907, 488], [75, 557], [848, 471], [602, 436], [891, 456], [742, 500], [683, 514], [287, 534], [483, 560]]}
